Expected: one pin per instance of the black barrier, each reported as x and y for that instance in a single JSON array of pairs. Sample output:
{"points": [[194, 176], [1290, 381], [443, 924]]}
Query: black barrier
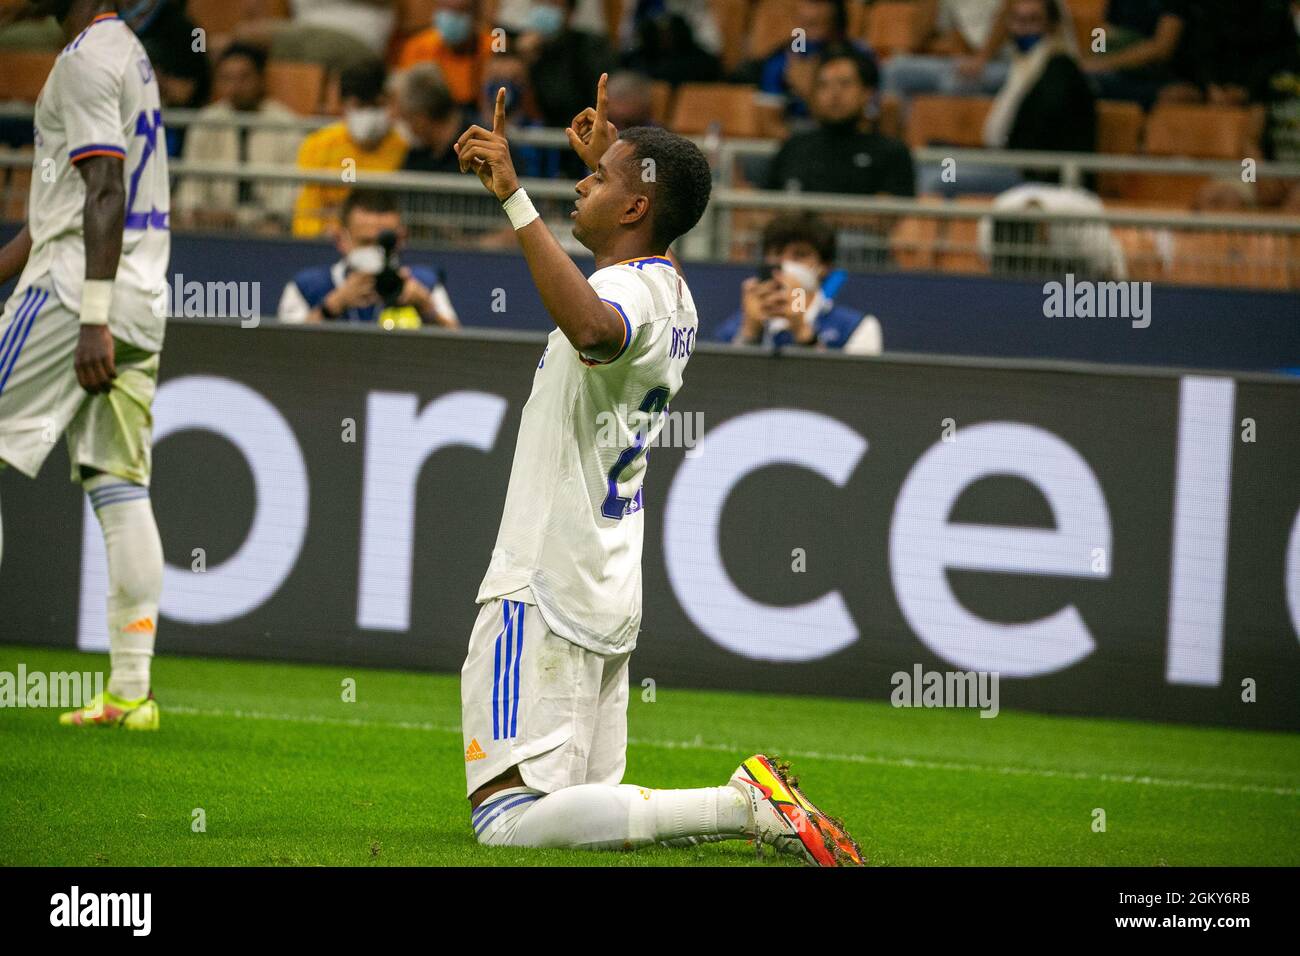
{"points": [[1107, 541]]}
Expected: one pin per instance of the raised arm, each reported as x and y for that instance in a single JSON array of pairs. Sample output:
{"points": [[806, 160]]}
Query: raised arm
{"points": [[591, 326]]}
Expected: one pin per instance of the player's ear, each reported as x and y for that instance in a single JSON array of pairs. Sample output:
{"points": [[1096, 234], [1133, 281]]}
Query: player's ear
{"points": [[638, 209]]}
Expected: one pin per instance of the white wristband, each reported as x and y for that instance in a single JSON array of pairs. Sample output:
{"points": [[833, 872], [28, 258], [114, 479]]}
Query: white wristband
{"points": [[96, 300], [519, 208]]}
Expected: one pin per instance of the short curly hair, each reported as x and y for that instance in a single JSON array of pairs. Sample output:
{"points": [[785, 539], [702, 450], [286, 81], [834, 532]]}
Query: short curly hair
{"points": [[682, 180]]}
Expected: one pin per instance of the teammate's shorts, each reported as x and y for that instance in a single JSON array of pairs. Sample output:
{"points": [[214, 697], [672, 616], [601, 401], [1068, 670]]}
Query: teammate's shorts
{"points": [[529, 698], [41, 400]]}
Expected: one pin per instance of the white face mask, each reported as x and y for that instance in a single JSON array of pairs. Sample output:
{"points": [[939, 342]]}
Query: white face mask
{"points": [[367, 124], [800, 274], [367, 259]]}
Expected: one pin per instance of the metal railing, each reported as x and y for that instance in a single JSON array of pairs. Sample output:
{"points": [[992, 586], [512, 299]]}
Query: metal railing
{"points": [[961, 236]]}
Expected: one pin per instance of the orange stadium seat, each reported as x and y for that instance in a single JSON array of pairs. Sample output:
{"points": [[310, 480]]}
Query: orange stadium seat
{"points": [[947, 120], [896, 26], [1119, 132], [772, 26], [1204, 132], [730, 105], [661, 101], [1088, 15], [23, 73], [413, 16], [299, 86], [733, 25], [1212, 132], [216, 17], [1255, 260]]}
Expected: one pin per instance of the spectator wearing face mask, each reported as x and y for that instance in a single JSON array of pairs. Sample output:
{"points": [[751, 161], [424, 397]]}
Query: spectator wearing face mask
{"points": [[792, 300], [365, 284], [365, 136], [564, 66], [456, 46], [1045, 104]]}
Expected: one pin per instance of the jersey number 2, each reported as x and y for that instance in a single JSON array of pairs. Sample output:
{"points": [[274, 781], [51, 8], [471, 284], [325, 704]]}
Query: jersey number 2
{"points": [[149, 128], [614, 506]]}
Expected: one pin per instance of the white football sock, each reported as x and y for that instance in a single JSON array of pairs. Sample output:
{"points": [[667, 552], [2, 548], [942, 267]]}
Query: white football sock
{"points": [[135, 571], [595, 816]]}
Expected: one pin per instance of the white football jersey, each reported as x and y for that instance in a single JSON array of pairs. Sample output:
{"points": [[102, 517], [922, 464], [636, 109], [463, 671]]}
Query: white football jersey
{"points": [[101, 99], [573, 521]]}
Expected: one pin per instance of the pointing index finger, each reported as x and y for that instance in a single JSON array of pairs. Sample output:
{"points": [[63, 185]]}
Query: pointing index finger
{"points": [[499, 116], [602, 101]]}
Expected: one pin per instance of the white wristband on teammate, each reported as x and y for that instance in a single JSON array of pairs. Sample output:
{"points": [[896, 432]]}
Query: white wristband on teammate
{"points": [[96, 299], [519, 208]]}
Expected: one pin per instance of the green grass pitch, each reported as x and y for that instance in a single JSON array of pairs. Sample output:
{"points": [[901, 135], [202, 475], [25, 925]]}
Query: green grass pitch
{"points": [[288, 773]]}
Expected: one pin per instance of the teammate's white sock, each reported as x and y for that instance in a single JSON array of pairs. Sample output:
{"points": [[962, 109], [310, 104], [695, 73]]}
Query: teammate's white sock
{"points": [[135, 571], [602, 817]]}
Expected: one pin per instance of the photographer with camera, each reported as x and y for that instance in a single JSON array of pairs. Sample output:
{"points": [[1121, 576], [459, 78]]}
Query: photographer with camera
{"points": [[369, 283], [791, 302]]}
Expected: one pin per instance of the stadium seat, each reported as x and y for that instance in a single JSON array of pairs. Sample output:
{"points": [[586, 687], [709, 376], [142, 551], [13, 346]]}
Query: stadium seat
{"points": [[1088, 15], [896, 26], [23, 73], [959, 248], [733, 25], [1205, 132], [1143, 258], [1119, 132], [947, 120], [772, 26], [1211, 132], [731, 106], [414, 16], [299, 86], [1119, 127], [661, 101], [216, 17], [1254, 260]]}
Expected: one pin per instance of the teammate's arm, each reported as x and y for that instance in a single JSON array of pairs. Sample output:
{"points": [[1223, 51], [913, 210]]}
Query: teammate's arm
{"points": [[13, 256], [104, 216], [591, 326]]}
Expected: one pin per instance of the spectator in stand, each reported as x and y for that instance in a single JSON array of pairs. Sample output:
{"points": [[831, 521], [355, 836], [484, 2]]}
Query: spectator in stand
{"points": [[456, 46], [972, 69], [184, 74], [630, 100], [334, 33], [666, 49], [429, 120], [1231, 51], [564, 65], [356, 287], [1045, 104], [960, 25], [241, 203], [1142, 37], [365, 137], [785, 76], [792, 300], [843, 154]]}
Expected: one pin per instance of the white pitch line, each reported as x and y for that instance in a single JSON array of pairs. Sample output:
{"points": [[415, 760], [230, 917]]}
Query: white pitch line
{"points": [[699, 743]]}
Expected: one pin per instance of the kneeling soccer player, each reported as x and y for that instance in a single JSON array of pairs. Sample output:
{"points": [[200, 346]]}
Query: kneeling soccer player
{"points": [[544, 687], [79, 338]]}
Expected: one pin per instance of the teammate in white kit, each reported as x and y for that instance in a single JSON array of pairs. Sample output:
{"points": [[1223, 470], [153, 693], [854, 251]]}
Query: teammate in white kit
{"points": [[80, 335], [544, 687]]}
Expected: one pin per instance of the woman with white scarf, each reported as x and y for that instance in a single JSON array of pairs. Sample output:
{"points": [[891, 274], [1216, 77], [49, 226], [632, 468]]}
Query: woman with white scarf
{"points": [[1045, 103]]}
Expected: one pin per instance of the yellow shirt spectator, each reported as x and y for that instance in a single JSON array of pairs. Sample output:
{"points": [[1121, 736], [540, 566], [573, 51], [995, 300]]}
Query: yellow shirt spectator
{"points": [[328, 148]]}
